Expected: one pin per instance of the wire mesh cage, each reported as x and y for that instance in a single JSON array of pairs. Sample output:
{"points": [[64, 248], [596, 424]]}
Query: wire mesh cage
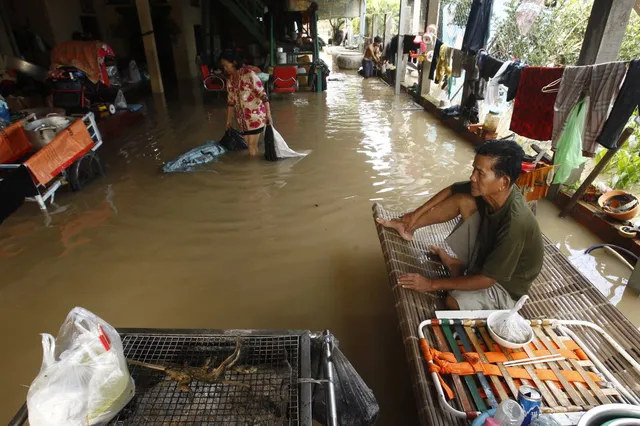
{"points": [[262, 387]]}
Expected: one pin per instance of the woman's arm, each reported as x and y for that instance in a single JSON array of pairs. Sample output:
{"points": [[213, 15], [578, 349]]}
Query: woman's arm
{"points": [[229, 117], [267, 105]]}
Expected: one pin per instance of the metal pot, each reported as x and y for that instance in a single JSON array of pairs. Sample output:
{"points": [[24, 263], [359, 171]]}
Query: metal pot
{"points": [[599, 415], [43, 112], [41, 132]]}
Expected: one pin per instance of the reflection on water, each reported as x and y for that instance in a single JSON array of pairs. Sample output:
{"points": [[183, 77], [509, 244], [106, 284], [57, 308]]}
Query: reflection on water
{"points": [[243, 243]]}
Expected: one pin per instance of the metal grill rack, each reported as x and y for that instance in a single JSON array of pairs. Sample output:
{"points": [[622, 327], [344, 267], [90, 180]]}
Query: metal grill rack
{"points": [[271, 363]]}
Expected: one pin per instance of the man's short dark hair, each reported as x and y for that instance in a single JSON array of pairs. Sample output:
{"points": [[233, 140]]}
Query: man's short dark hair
{"points": [[508, 155], [377, 39]]}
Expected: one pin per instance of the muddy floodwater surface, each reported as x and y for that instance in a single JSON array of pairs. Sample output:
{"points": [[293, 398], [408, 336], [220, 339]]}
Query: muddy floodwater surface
{"points": [[243, 243]]}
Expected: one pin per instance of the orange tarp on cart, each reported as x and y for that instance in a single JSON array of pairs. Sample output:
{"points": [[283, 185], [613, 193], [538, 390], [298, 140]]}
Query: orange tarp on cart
{"points": [[68, 146], [13, 143]]}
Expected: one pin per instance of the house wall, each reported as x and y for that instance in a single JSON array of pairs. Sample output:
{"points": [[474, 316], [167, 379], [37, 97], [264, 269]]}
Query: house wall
{"points": [[64, 18], [184, 49]]}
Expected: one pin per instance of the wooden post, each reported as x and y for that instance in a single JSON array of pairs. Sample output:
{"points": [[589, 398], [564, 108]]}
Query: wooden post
{"points": [[150, 51], [399, 61], [605, 31], [595, 172], [602, 40]]}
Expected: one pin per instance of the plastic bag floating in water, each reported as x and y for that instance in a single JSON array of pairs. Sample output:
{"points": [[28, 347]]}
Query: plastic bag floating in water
{"points": [[201, 155]]}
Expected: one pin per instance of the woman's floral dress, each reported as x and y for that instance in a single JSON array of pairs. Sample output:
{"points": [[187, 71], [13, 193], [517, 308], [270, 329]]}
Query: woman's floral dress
{"points": [[247, 96]]}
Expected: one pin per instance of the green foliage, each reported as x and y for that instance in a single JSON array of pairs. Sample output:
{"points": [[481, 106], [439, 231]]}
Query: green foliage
{"points": [[461, 9], [623, 171], [556, 35]]}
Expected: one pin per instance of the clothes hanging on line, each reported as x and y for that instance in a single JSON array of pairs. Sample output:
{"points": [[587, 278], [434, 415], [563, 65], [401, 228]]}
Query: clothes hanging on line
{"points": [[493, 92], [532, 109], [626, 102], [601, 83], [489, 66], [443, 69], [476, 32], [511, 78], [434, 61], [457, 60]]}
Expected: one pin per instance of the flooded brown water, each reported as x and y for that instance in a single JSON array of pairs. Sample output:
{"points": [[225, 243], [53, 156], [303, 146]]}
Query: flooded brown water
{"points": [[244, 243]]}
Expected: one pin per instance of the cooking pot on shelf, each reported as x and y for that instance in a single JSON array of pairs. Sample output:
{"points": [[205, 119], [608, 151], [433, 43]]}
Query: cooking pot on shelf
{"points": [[41, 132]]}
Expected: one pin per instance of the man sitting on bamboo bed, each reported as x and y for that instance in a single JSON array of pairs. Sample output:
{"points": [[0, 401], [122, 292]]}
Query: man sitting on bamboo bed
{"points": [[498, 243]]}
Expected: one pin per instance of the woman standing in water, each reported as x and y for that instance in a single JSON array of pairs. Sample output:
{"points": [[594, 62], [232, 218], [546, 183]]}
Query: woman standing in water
{"points": [[247, 97]]}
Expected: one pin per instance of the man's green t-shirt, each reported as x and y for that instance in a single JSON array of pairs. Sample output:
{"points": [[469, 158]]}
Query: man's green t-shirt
{"points": [[509, 248]]}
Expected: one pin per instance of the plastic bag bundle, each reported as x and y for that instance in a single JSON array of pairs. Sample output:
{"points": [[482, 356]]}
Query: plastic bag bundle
{"points": [[233, 141], [84, 378], [202, 154], [120, 102], [511, 326], [526, 14], [275, 148], [569, 147], [356, 404]]}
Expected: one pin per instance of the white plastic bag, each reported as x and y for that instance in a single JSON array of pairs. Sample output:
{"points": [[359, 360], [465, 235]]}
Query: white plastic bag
{"points": [[134, 72], [84, 379], [120, 102], [282, 149]]}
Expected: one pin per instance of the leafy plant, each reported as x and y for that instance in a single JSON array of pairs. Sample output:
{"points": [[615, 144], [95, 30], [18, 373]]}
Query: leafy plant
{"points": [[623, 171]]}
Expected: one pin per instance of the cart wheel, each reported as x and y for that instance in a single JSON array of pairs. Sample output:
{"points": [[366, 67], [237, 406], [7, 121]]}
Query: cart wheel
{"points": [[84, 170], [112, 109]]}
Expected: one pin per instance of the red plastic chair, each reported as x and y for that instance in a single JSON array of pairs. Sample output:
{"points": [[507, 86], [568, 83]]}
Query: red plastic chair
{"points": [[211, 82], [284, 79]]}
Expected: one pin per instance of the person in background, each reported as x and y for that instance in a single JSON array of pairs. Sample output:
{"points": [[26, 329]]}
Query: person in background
{"points": [[247, 98], [498, 242], [371, 55]]}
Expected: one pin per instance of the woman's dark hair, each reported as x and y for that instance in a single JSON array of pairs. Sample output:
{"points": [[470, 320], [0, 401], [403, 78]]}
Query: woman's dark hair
{"points": [[232, 57], [508, 155], [377, 39]]}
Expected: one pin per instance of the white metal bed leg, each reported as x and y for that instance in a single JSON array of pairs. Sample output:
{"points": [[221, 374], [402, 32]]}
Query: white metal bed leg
{"points": [[40, 202]]}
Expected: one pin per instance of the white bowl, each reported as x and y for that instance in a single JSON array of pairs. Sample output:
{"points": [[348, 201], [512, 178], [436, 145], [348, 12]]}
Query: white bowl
{"points": [[491, 319]]}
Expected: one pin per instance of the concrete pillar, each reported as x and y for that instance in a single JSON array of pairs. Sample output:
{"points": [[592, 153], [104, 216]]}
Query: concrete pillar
{"points": [[150, 51], [605, 30], [399, 61], [415, 21], [388, 19], [363, 18], [374, 25]]}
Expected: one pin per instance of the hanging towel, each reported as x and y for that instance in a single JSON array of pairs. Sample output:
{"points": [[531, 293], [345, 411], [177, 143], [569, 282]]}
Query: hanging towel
{"points": [[532, 109], [493, 94], [601, 83], [476, 32], [626, 102], [568, 150], [434, 61], [444, 63]]}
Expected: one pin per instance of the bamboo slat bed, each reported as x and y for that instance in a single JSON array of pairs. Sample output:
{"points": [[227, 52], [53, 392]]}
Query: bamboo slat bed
{"points": [[560, 292]]}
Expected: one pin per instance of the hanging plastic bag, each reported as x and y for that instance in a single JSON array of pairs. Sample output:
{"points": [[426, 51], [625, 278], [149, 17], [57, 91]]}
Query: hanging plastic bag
{"points": [[275, 148], [134, 72], [84, 378], [233, 141], [526, 15], [120, 102], [569, 148]]}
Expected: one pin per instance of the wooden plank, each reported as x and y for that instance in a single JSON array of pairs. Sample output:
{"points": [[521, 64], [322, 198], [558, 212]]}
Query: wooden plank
{"points": [[592, 385], [461, 394], [557, 392], [568, 386], [565, 364], [471, 385], [540, 385], [497, 384], [507, 377]]}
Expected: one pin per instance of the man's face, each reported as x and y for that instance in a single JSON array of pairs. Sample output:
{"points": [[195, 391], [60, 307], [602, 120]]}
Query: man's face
{"points": [[484, 181]]}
